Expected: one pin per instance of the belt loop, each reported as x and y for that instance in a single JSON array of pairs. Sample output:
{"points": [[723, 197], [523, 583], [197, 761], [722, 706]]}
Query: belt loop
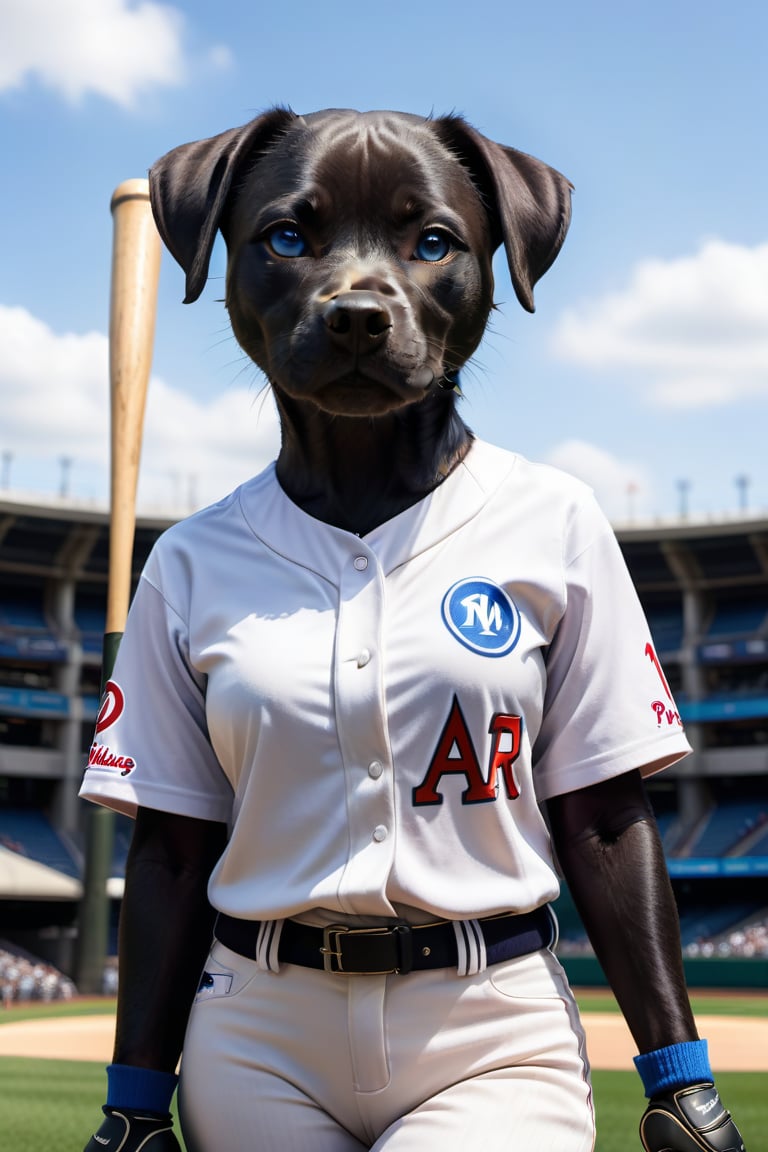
{"points": [[555, 925], [267, 944], [405, 941], [470, 947]]}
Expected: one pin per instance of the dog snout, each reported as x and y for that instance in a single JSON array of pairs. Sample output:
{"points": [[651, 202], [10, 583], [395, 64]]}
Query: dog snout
{"points": [[358, 320]]}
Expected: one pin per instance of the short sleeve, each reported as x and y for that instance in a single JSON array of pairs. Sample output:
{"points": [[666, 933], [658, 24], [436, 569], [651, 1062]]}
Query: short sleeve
{"points": [[608, 708], [151, 746]]}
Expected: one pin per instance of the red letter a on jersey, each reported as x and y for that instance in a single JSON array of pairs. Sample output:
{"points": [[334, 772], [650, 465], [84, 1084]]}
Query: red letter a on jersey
{"points": [[455, 753]]}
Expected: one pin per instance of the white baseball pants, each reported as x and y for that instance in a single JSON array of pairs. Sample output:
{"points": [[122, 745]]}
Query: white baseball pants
{"points": [[305, 1061]]}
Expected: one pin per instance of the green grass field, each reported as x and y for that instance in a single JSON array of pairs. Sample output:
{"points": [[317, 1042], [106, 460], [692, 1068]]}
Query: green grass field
{"points": [[704, 1004], [54, 1104]]}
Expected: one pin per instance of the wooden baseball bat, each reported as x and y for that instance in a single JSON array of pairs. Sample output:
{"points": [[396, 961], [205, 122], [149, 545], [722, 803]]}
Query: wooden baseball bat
{"points": [[133, 301], [136, 251]]}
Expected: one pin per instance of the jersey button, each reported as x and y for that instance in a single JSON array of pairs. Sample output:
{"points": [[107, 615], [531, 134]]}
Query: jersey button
{"points": [[361, 563], [363, 658], [380, 833], [375, 769]]}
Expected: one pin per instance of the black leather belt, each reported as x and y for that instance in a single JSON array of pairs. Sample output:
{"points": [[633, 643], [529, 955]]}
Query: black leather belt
{"points": [[395, 948]]}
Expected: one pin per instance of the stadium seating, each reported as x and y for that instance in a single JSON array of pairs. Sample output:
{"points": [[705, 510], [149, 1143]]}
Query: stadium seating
{"points": [[667, 630], [706, 923], [29, 833], [90, 624], [25, 632], [760, 846], [738, 618], [726, 828]]}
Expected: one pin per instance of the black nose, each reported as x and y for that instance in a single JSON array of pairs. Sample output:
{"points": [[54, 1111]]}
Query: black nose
{"points": [[358, 320]]}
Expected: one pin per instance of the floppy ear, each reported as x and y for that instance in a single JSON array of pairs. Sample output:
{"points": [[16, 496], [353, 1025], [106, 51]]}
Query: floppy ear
{"points": [[189, 188], [529, 203]]}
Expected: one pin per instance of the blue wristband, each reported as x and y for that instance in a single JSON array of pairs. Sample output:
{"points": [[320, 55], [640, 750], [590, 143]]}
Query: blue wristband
{"points": [[143, 1088], [672, 1067]]}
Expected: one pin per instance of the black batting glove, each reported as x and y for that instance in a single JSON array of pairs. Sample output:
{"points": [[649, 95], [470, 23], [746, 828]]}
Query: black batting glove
{"points": [[130, 1130], [690, 1119]]}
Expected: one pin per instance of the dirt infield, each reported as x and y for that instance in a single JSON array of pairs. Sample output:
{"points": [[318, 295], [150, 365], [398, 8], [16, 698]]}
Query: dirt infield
{"points": [[736, 1044]]}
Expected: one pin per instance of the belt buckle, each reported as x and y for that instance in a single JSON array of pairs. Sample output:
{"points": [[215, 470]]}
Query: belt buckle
{"points": [[331, 949], [333, 952]]}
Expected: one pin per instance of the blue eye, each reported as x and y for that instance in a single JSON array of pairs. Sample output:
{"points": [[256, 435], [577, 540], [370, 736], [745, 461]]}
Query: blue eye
{"points": [[286, 241], [433, 245]]}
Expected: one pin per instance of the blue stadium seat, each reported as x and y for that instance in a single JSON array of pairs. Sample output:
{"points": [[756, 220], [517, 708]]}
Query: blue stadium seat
{"points": [[29, 833], [704, 923], [26, 615], [727, 825], [666, 629], [25, 632], [760, 847], [738, 618], [90, 624], [668, 826]]}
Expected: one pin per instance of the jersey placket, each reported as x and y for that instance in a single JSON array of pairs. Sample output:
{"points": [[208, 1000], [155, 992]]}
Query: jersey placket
{"points": [[363, 736]]}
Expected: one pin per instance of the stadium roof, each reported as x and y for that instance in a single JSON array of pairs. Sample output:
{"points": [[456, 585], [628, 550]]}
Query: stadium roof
{"points": [[24, 879], [706, 554], [65, 540]]}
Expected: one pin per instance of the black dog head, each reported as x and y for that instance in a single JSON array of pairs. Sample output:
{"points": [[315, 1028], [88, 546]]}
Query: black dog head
{"points": [[359, 245]]}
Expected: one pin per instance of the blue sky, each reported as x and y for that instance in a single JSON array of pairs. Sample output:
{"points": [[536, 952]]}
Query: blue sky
{"points": [[645, 367]]}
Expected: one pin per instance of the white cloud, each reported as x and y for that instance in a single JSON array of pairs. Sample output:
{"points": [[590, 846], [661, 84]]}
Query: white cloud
{"points": [[54, 398], [622, 488], [114, 48], [690, 332]]}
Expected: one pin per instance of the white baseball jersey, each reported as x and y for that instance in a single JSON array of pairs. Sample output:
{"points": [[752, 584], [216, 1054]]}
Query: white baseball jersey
{"points": [[378, 719]]}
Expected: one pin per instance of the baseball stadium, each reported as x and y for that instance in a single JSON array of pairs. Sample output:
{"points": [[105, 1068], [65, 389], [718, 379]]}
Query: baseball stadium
{"points": [[704, 587]]}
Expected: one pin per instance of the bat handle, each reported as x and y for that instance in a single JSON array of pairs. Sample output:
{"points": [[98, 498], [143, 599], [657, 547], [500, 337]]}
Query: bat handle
{"points": [[109, 647]]}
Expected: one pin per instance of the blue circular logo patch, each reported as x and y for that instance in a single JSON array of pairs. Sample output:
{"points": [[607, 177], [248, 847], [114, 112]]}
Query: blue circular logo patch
{"points": [[481, 616]]}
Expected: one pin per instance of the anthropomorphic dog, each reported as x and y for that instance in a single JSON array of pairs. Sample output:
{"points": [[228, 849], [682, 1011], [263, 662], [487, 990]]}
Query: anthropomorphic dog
{"points": [[371, 697]]}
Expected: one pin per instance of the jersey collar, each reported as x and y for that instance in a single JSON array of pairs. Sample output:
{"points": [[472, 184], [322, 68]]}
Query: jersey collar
{"points": [[291, 532]]}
